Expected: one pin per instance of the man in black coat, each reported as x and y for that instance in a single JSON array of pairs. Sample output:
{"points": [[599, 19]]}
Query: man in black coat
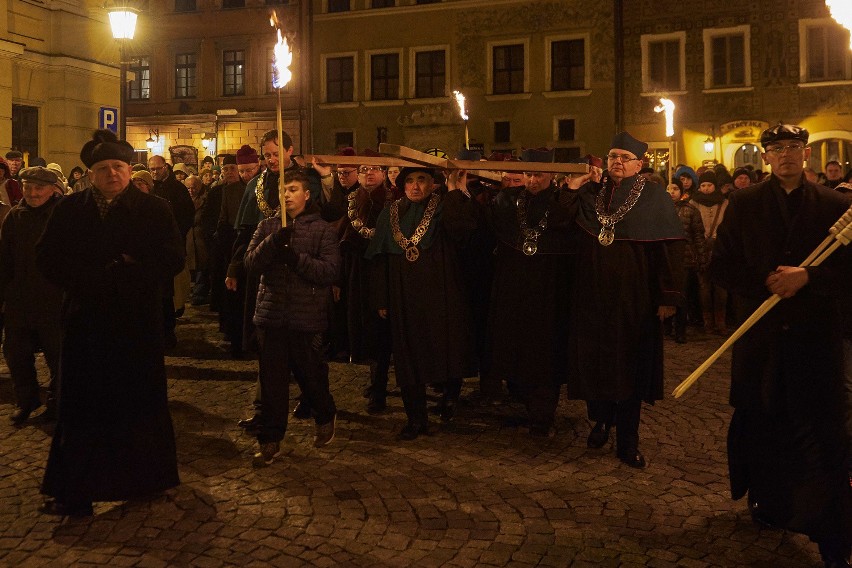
{"points": [[111, 249], [31, 304], [787, 443]]}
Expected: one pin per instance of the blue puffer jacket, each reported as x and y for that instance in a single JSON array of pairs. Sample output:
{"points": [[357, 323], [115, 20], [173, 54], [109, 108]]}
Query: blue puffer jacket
{"points": [[294, 296]]}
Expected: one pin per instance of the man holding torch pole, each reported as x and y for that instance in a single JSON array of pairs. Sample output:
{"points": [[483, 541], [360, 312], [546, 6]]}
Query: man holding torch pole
{"points": [[786, 444]]}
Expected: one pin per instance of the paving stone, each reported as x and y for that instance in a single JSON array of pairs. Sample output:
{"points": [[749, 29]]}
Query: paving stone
{"points": [[480, 493]]}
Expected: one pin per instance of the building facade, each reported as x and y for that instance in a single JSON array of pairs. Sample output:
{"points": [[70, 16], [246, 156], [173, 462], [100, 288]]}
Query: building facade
{"points": [[58, 74], [201, 77], [534, 73], [732, 70]]}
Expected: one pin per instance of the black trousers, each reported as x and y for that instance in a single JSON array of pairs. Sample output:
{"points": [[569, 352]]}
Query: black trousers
{"points": [[19, 349], [281, 351], [625, 416], [380, 366], [414, 399]]}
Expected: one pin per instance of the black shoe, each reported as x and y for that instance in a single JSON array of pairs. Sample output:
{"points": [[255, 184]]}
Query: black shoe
{"points": [[49, 414], [22, 414], [63, 510], [759, 517], [252, 424], [633, 459], [834, 555], [448, 410], [302, 411], [170, 341], [376, 404], [412, 430], [599, 435]]}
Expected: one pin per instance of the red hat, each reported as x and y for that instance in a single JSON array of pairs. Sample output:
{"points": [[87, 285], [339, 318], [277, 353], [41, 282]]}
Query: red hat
{"points": [[247, 155]]}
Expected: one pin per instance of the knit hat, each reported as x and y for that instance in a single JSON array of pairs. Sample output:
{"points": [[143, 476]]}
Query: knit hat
{"points": [[708, 176], [625, 141], [58, 169], [105, 145], [247, 155], [145, 176], [743, 172], [404, 172]]}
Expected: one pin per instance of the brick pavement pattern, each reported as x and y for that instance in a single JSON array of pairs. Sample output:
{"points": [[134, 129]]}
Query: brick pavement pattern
{"points": [[480, 492]]}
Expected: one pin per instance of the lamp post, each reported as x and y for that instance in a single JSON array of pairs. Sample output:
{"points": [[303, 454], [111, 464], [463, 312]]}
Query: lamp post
{"points": [[122, 21]]}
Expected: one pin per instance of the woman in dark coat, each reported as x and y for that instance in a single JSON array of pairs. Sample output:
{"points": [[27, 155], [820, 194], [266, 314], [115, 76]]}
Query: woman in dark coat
{"points": [[111, 248]]}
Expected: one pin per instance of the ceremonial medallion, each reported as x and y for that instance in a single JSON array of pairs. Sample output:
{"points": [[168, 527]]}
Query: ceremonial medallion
{"points": [[608, 222], [606, 236], [412, 254], [528, 238], [530, 248]]}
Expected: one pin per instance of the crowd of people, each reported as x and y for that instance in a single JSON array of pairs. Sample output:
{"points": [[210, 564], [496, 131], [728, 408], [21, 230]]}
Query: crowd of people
{"points": [[529, 284]]}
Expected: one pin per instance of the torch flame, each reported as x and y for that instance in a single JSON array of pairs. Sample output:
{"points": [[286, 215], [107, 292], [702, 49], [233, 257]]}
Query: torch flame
{"points": [[841, 11], [460, 102], [282, 57], [667, 106]]}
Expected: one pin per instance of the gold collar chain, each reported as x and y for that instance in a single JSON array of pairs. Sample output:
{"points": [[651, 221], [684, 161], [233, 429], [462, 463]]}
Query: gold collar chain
{"points": [[357, 223], [607, 234], [261, 201], [410, 245]]}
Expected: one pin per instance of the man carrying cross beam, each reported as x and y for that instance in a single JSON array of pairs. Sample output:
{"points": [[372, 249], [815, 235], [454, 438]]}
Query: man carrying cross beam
{"points": [[786, 443], [628, 276]]}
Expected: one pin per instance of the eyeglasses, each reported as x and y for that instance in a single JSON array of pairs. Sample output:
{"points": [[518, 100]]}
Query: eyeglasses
{"points": [[779, 150], [345, 172], [368, 169], [623, 158]]}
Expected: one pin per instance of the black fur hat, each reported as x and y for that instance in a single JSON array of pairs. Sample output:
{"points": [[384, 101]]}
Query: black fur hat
{"points": [[105, 145]]}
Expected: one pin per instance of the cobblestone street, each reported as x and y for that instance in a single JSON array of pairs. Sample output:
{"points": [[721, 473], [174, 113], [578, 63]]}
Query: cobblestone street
{"points": [[480, 492]]}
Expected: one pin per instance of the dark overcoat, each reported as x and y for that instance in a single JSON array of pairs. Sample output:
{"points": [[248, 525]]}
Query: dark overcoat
{"points": [[114, 438], [786, 444]]}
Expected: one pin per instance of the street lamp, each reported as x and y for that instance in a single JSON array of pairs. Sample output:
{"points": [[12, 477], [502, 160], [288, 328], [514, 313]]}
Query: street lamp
{"points": [[122, 21]]}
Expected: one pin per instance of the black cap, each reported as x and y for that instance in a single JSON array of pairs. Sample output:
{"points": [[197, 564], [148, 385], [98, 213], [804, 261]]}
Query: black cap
{"points": [[403, 173], [709, 177], [625, 141], [783, 132], [105, 145], [229, 159], [14, 155]]}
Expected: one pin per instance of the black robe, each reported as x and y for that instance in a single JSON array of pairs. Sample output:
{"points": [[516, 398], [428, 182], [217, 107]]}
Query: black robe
{"points": [[114, 438], [786, 443], [530, 294], [615, 346], [425, 299]]}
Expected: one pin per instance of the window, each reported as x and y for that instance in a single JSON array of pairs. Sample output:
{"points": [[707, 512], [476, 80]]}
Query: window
{"points": [[233, 3], [233, 72], [824, 51], [383, 3], [25, 129], [727, 57], [430, 75], [663, 62], [502, 132], [384, 76], [185, 79], [340, 79], [748, 155], [338, 6], [344, 140], [507, 69], [140, 87], [184, 5], [567, 65], [565, 129]]}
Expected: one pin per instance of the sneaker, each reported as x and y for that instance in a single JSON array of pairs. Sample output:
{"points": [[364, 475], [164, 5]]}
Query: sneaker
{"points": [[22, 414], [267, 453], [325, 433]]}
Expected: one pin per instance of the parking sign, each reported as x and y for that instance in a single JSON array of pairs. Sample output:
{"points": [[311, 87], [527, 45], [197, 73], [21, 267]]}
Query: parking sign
{"points": [[108, 118]]}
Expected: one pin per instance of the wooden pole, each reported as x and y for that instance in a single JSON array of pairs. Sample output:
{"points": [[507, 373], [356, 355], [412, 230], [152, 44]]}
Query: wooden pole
{"points": [[280, 164]]}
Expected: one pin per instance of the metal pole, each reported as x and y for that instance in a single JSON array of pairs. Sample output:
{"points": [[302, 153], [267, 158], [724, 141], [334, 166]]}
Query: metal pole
{"points": [[122, 111]]}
